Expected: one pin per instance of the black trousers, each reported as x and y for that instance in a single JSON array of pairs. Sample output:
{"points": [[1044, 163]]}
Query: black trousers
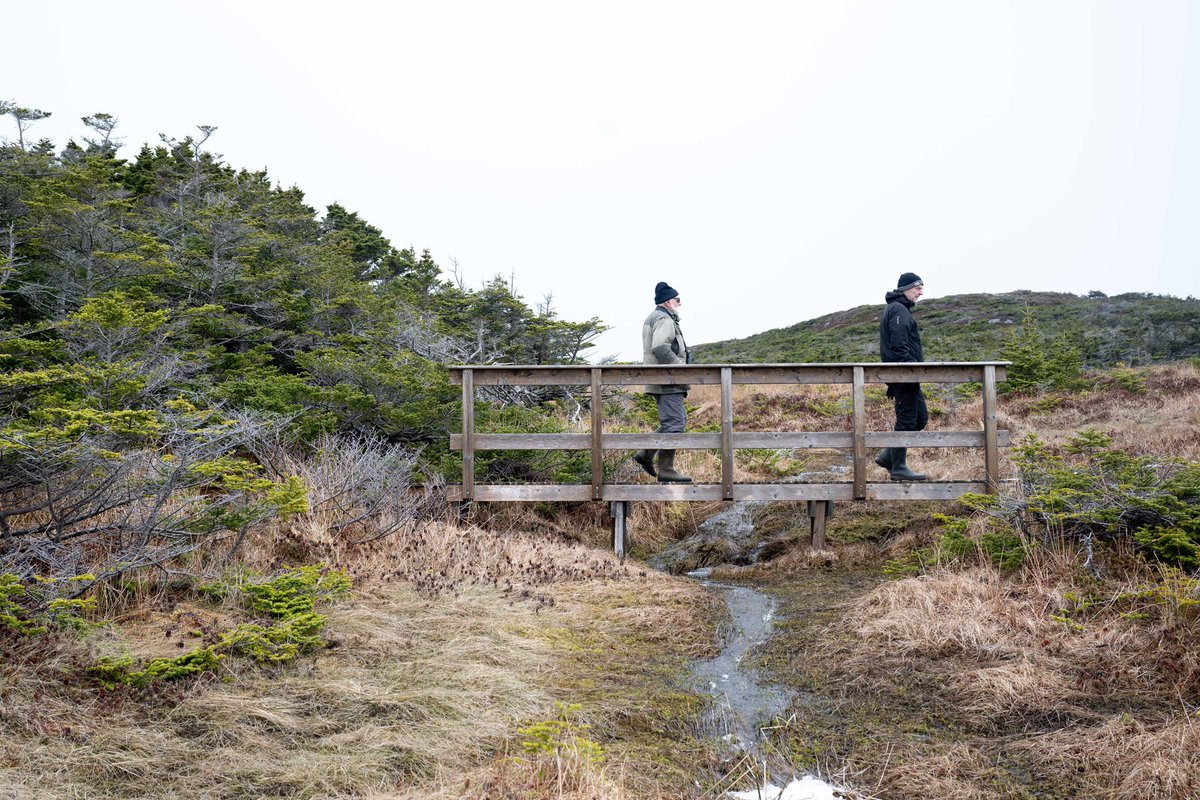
{"points": [[911, 411]]}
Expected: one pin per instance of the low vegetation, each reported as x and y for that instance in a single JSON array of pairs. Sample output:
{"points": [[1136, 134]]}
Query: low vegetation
{"points": [[1131, 329], [1039, 643]]}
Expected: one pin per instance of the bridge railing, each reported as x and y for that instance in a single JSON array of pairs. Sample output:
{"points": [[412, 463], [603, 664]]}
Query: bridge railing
{"points": [[858, 439]]}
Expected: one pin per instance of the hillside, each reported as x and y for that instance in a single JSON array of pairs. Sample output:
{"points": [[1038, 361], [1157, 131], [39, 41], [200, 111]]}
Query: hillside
{"points": [[1129, 328]]}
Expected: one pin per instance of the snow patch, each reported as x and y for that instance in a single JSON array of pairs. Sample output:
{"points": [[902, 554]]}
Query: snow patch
{"points": [[806, 788]]}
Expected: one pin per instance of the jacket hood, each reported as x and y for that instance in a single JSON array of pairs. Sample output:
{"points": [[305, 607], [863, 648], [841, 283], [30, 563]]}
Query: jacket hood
{"points": [[897, 295]]}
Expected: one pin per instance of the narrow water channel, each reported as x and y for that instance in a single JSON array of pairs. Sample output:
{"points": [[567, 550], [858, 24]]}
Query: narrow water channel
{"points": [[743, 704]]}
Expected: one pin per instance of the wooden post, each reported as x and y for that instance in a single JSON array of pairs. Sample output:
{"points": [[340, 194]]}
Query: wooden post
{"points": [[597, 451], [726, 433], [990, 446], [619, 511], [468, 417], [860, 442], [817, 511]]}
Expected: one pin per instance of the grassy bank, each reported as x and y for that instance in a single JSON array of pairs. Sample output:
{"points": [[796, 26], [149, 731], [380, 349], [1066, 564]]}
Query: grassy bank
{"points": [[464, 663]]}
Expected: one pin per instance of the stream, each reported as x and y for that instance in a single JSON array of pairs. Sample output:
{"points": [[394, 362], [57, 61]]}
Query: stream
{"points": [[742, 706]]}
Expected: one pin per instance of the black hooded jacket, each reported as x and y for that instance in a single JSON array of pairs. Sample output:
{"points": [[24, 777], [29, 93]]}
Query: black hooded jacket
{"points": [[898, 336]]}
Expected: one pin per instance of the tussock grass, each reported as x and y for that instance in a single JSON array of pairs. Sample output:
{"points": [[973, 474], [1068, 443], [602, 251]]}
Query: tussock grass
{"points": [[410, 687], [1126, 759], [458, 636], [1019, 649], [965, 681], [1164, 419]]}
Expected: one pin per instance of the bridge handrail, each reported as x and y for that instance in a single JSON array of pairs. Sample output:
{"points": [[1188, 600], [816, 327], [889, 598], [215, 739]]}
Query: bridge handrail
{"points": [[470, 376]]}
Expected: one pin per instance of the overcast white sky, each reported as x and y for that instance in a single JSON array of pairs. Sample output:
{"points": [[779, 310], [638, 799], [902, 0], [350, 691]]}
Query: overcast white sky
{"points": [[772, 161]]}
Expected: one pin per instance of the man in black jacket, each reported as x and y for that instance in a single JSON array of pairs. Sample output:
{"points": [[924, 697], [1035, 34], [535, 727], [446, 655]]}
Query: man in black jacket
{"points": [[899, 341]]}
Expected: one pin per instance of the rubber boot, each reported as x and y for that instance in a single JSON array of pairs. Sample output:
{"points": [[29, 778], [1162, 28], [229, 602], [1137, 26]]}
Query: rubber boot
{"points": [[666, 468], [900, 470], [645, 460], [884, 459]]}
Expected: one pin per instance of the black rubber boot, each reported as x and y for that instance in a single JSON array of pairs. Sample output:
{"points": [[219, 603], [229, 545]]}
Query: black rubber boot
{"points": [[645, 460], [900, 470], [884, 459], [666, 468]]}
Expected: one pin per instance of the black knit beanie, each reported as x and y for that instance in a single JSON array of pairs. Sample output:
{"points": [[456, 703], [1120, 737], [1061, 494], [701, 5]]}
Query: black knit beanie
{"points": [[908, 280], [663, 293]]}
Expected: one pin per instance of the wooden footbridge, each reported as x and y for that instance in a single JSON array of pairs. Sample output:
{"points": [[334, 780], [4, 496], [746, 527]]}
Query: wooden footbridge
{"points": [[858, 440]]}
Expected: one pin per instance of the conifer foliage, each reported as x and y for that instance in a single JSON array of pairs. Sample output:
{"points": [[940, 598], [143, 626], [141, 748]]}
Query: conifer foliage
{"points": [[163, 319]]}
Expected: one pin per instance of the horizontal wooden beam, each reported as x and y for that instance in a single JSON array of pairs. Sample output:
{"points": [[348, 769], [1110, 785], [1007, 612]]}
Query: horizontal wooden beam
{"points": [[528, 493], [796, 440], [933, 439], [701, 374], [742, 440], [557, 492], [924, 490]]}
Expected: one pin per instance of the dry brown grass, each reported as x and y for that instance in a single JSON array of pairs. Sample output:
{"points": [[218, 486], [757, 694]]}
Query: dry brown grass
{"points": [[1018, 650], [1004, 663], [1162, 420], [457, 637], [1126, 759], [412, 686]]}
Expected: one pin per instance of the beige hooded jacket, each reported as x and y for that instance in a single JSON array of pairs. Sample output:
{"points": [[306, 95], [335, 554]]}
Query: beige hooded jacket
{"points": [[662, 343]]}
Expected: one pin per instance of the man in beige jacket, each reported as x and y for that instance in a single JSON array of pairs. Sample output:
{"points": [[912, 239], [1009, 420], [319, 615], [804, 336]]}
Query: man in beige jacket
{"points": [[663, 343]]}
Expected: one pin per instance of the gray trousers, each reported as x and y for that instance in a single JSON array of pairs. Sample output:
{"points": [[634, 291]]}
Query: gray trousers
{"points": [[672, 415]]}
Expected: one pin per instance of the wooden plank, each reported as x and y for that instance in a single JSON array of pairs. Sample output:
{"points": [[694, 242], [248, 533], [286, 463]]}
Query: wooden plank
{"points": [[859, 428], [468, 434], [632, 374], [610, 376], [741, 491], [662, 491], [526, 441], [991, 454], [923, 490], [555, 492], [662, 441], [791, 373], [932, 438], [596, 447], [583, 441], [793, 491], [525, 492], [727, 433], [793, 440], [924, 373], [762, 440]]}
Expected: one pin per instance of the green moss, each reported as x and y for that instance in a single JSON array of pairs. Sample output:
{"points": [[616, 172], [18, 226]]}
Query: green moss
{"points": [[287, 600]]}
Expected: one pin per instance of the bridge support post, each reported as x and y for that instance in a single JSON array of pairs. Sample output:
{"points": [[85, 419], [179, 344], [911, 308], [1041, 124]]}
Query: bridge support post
{"points": [[619, 511], [818, 511]]}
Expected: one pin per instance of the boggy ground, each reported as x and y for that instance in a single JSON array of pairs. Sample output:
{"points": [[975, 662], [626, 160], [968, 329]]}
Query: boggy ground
{"points": [[445, 670], [968, 682], [920, 676], [465, 663]]}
